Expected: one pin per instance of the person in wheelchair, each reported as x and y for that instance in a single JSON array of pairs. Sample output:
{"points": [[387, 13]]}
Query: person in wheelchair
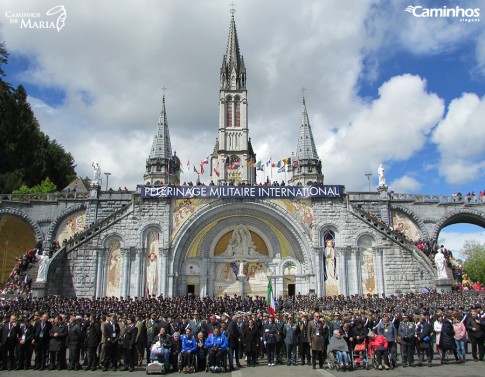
{"points": [[160, 350], [189, 348], [378, 345], [339, 346], [176, 349], [201, 350], [216, 343]]}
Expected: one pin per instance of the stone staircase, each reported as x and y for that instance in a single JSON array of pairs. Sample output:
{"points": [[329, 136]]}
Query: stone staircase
{"points": [[391, 234], [92, 231]]}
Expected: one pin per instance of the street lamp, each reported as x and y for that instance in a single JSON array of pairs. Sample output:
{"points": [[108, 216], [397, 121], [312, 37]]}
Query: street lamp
{"points": [[107, 179], [368, 178]]}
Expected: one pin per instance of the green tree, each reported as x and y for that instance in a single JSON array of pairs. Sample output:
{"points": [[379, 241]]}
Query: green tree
{"points": [[46, 187], [474, 253], [27, 155]]}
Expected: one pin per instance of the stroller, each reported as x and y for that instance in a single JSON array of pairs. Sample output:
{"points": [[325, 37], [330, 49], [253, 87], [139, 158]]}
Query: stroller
{"points": [[360, 356]]}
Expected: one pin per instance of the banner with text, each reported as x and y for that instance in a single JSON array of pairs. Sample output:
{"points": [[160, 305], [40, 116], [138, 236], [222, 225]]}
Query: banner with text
{"points": [[256, 192]]}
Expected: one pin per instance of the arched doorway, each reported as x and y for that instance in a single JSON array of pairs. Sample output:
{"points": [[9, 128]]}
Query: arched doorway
{"points": [[16, 237], [237, 247]]}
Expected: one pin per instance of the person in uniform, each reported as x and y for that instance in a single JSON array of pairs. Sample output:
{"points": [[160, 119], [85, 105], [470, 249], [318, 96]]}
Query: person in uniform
{"points": [[407, 338], [129, 345], [25, 344], [112, 334], [424, 331], [303, 339], [91, 343], [57, 344], [291, 335], [10, 334], [74, 339], [269, 339]]}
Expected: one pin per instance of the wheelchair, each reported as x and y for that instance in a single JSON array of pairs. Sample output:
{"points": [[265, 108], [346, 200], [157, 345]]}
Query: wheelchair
{"points": [[220, 368], [360, 356], [375, 364], [194, 363], [333, 364]]}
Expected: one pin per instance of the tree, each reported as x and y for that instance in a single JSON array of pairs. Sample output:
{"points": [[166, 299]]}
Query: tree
{"points": [[474, 253], [45, 187], [27, 155]]}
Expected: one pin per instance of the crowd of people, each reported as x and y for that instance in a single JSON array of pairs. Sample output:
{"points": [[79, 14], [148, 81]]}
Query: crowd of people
{"points": [[216, 332], [19, 281]]}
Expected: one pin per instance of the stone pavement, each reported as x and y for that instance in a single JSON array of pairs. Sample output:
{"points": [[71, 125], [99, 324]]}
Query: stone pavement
{"points": [[469, 369]]}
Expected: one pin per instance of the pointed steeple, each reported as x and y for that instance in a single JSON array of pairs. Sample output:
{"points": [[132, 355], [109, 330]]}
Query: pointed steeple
{"points": [[161, 166], [307, 166], [233, 70], [161, 146], [306, 145]]}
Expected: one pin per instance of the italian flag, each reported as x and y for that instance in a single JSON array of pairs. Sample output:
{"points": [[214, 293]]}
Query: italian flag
{"points": [[270, 299]]}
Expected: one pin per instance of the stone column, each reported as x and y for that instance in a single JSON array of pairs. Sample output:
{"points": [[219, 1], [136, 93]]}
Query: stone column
{"points": [[100, 272], [356, 271], [163, 272], [140, 276], [320, 284], [211, 272], [379, 270], [182, 285], [125, 271], [279, 285]]}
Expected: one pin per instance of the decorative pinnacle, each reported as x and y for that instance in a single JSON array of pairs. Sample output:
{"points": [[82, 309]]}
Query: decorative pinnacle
{"points": [[303, 91], [232, 9]]}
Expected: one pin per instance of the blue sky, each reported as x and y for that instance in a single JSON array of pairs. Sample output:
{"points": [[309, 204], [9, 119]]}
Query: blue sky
{"points": [[382, 85]]}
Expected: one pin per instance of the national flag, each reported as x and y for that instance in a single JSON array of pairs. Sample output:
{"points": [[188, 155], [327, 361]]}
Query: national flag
{"points": [[195, 170], [282, 169], [181, 169], [279, 164], [270, 299], [205, 161], [259, 164], [228, 160], [236, 163], [216, 169], [201, 168], [248, 160], [268, 163], [273, 165]]}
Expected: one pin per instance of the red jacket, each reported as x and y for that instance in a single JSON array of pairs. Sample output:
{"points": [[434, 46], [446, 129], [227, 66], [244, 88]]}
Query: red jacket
{"points": [[378, 341]]}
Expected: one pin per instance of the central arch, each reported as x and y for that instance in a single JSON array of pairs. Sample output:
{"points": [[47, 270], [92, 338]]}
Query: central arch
{"points": [[267, 222], [462, 215]]}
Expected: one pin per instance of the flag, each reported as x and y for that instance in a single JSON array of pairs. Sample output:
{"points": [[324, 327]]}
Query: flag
{"points": [[216, 169], [236, 163], [201, 168], [248, 160], [270, 299], [234, 268], [205, 161], [281, 170], [268, 163], [181, 169], [195, 170], [188, 164]]}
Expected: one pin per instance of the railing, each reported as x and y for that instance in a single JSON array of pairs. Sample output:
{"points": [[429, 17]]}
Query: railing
{"points": [[422, 198], [52, 197]]}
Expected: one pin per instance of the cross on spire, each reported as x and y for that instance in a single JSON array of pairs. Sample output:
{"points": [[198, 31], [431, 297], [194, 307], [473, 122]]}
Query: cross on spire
{"points": [[163, 90], [232, 8], [303, 91]]}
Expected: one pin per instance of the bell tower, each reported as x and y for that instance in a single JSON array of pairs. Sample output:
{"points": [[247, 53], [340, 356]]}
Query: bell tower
{"points": [[233, 157]]}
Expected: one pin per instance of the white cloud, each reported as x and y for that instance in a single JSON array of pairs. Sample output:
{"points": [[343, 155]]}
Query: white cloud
{"points": [[461, 140], [405, 184], [456, 240]]}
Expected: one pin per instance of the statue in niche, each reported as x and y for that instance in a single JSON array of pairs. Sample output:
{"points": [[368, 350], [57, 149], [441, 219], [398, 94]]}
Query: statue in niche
{"points": [[330, 260], [240, 244]]}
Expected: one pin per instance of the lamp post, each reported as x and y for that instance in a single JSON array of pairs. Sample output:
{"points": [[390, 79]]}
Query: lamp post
{"points": [[368, 178], [107, 179]]}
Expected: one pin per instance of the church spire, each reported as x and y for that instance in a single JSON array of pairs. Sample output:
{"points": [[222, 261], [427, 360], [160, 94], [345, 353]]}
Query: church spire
{"points": [[308, 166], [233, 70], [161, 146], [161, 166]]}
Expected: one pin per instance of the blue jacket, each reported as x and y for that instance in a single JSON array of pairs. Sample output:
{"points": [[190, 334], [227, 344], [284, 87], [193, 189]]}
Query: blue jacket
{"points": [[188, 344], [219, 341]]}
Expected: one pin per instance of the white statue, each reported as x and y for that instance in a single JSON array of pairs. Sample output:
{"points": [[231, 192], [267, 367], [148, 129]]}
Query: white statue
{"points": [[440, 264], [96, 174], [240, 243], [380, 172], [330, 260], [43, 264]]}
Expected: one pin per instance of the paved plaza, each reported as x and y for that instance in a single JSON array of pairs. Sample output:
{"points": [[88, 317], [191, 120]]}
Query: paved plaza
{"points": [[469, 369]]}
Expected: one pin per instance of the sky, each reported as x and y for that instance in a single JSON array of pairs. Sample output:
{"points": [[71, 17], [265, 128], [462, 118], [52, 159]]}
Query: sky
{"points": [[382, 85]]}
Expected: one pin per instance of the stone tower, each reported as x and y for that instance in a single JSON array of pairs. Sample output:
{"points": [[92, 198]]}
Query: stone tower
{"points": [[306, 166], [162, 167], [233, 157]]}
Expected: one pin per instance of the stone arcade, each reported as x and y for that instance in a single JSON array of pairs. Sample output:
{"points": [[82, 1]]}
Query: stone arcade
{"points": [[167, 239]]}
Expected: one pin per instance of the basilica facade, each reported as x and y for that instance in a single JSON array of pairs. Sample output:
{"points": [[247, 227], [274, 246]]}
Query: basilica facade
{"points": [[234, 237]]}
